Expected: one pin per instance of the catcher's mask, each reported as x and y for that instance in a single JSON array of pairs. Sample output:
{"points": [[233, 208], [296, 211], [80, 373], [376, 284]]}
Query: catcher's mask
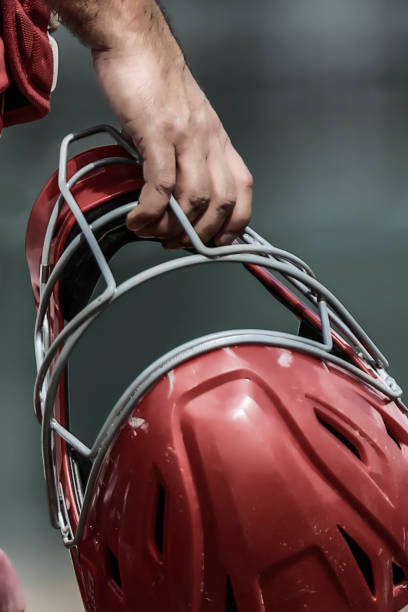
{"points": [[247, 470]]}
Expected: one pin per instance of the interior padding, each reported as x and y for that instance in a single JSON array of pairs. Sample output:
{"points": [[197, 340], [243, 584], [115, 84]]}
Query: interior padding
{"points": [[80, 275]]}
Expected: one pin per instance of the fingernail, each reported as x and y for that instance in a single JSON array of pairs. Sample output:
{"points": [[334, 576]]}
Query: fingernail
{"points": [[132, 216], [129, 223]]}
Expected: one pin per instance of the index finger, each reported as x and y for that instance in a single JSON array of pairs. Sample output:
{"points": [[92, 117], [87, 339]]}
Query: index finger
{"points": [[159, 171]]}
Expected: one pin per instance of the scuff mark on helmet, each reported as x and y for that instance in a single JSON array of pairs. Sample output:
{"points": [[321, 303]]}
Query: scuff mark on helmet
{"points": [[285, 359], [136, 422], [170, 376]]}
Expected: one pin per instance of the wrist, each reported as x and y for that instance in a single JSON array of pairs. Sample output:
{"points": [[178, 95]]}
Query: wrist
{"points": [[115, 24], [130, 26], [149, 58]]}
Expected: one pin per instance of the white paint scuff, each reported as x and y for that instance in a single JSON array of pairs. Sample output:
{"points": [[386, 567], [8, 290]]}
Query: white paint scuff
{"points": [[285, 359], [170, 376], [136, 422]]}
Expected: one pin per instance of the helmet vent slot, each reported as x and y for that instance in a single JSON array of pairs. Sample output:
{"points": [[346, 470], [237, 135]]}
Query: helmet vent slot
{"points": [[114, 568], [391, 434], [230, 605], [338, 434], [361, 558], [159, 520], [398, 574]]}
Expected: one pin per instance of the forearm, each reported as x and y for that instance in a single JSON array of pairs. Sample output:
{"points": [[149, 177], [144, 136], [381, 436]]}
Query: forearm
{"points": [[107, 24], [185, 149]]}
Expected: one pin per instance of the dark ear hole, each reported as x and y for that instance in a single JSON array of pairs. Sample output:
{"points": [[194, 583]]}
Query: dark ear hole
{"points": [[114, 568], [339, 435], [84, 465], [159, 522], [391, 434], [361, 558], [398, 574], [230, 605]]}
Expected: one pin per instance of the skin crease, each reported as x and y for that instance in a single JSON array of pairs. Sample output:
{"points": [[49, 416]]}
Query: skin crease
{"points": [[185, 149]]}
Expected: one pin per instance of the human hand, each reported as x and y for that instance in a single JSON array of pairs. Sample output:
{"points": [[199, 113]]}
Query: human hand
{"points": [[184, 147]]}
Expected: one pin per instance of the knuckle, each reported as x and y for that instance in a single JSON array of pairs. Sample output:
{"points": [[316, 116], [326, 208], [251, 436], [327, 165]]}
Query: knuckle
{"points": [[226, 204], [242, 221], [246, 220], [205, 236], [247, 180], [176, 127], [199, 201], [199, 120], [165, 184]]}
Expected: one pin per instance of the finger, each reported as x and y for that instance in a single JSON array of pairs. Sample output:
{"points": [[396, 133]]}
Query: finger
{"points": [[159, 170], [241, 215], [192, 192], [126, 135], [223, 197]]}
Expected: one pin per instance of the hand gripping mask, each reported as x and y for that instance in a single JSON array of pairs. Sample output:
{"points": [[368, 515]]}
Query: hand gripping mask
{"points": [[269, 471]]}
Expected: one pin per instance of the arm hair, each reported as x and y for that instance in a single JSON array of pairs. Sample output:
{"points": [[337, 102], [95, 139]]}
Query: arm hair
{"points": [[104, 24]]}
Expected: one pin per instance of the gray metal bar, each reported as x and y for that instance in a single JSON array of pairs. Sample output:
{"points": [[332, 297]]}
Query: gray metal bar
{"points": [[143, 382], [52, 360], [70, 438]]}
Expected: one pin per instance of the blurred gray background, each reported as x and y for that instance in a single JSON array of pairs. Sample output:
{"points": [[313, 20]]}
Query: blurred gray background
{"points": [[314, 94]]}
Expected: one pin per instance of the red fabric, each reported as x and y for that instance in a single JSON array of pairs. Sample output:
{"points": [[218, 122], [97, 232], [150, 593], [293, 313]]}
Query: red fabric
{"points": [[5, 79], [28, 67]]}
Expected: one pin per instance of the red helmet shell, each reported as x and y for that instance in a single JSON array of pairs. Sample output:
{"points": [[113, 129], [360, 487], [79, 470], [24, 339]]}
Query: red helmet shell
{"points": [[252, 477], [249, 478], [97, 187]]}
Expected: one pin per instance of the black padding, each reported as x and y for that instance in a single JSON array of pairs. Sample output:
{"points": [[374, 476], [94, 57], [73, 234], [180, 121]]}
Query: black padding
{"points": [[80, 275], [308, 330]]}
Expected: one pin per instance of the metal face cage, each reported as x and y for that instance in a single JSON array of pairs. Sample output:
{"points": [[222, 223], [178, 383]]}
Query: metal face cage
{"points": [[339, 339]]}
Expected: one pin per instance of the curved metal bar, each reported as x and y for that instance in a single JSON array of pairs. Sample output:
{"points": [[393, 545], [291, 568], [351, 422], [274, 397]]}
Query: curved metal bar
{"points": [[45, 258], [207, 251], [165, 364], [40, 347], [65, 189], [266, 262], [80, 218], [52, 360], [105, 128], [44, 360], [97, 305], [288, 341], [48, 421], [88, 314], [377, 358]]}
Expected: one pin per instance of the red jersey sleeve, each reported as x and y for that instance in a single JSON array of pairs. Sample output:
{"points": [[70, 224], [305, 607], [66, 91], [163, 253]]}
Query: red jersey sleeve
{"points": [[26, 60]]}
